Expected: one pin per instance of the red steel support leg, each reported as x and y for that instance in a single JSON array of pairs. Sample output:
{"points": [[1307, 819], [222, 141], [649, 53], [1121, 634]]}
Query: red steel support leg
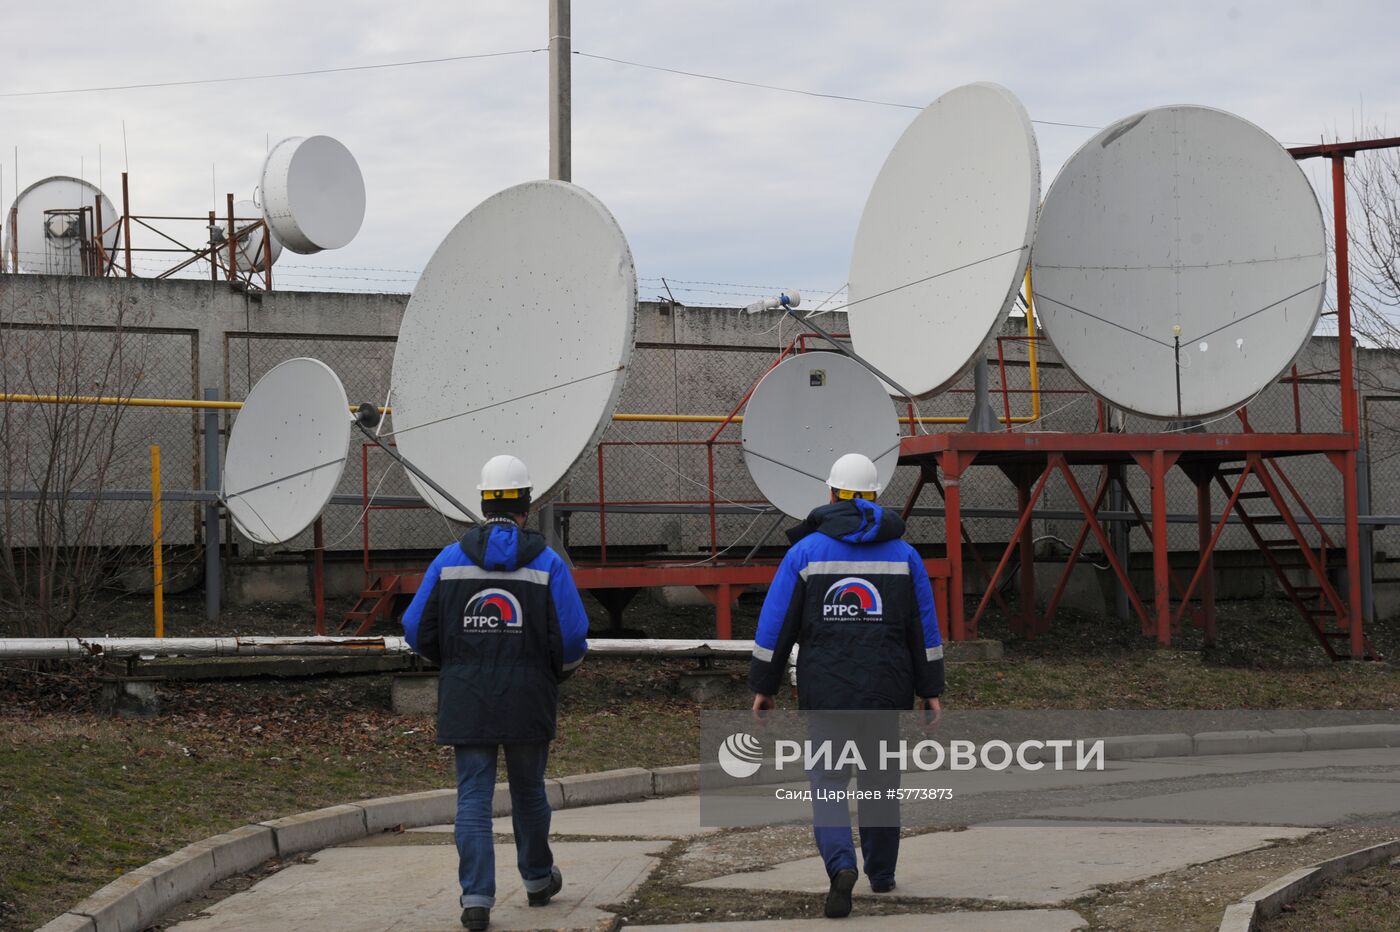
{"points": [[1349, 418], [1353, 528], [1161, 568], [914, 495], [1022, 523], [951, 463], [724, 611], [1072, 561], [1207, 570], [1057, 461], [1027, 619], [940, 601], [126, 225]]}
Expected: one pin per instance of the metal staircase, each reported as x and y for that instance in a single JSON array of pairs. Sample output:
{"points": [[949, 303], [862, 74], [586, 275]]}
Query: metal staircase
{"points": [[374, 605], [1317, 599]]}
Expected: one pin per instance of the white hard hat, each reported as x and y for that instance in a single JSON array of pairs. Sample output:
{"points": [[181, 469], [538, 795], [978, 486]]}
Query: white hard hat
{"points": [[503, 472], [854, 473]]}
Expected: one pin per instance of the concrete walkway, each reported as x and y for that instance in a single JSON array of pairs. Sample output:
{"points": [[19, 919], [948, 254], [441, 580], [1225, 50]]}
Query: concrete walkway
{"points": [[1135, 820]]}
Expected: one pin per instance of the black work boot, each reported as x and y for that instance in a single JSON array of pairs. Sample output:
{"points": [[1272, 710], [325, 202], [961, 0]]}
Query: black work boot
{"points": [[476, 918], [838, 898], [542, 897]]}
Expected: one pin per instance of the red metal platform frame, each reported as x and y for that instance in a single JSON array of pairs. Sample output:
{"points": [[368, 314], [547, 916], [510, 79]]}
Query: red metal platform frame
{"points": [[1029, 459]]}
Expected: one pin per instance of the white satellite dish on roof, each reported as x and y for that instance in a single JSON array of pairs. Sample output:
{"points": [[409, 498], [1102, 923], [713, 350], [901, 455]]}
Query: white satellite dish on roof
{"points": [[515, 340], [804, 414], [286, 451], [943, 242], [1180, 247], [54, 217], [313, 193], [251, 252]]}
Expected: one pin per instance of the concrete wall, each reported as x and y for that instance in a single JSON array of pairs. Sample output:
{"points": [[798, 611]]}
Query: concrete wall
{"points": [[181, 336]]}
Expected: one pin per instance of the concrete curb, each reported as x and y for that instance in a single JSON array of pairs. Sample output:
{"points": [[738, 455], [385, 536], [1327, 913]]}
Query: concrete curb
{"points": [[1268, 901], [138, 898]]}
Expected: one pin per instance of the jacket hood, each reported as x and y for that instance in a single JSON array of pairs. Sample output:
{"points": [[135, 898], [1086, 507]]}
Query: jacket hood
{"points": [[502, 546], [855, 521]]}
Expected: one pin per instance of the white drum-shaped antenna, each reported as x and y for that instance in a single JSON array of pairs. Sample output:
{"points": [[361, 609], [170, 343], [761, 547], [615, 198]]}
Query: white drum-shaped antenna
{"points": [[942, 246], [807, 412], [49, 243], [515, 340], [313, 193], [1179, 217], [286, 450], [250, 246]]}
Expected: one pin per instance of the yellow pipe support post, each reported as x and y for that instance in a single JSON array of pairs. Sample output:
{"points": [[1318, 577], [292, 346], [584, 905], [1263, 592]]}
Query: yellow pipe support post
{"points": [[158, 573]]}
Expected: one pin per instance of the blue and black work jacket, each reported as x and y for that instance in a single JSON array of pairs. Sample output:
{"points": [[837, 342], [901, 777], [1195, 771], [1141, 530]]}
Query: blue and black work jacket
{"points": [[499, 613], [857, 599]]}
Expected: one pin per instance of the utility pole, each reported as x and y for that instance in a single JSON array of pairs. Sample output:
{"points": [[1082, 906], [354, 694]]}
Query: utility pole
{"points": [[560, 48]]}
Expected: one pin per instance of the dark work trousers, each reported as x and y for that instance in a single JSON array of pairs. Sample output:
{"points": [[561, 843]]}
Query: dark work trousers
{"points": [[878, 818]]}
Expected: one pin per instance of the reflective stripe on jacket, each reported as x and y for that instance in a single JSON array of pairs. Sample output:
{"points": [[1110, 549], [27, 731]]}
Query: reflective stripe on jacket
{"points": [[499, 613], [858, 600]]}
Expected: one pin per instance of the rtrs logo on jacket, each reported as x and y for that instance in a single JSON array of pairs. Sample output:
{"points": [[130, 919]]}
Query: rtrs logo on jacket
{"points": [[491, 610], [853, 598]]}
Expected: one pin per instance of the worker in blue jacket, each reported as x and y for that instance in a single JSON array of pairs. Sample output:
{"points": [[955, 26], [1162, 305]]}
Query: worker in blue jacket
{"points": [[857, 598], [499, 613]]}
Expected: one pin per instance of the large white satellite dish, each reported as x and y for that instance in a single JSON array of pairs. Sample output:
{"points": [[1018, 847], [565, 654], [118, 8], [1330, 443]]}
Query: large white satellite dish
{"points": [[286, 450], [807, 412], [313, 193], [47, 225], [250, 246], [515, 340], [942, 245], [1180, 224]]}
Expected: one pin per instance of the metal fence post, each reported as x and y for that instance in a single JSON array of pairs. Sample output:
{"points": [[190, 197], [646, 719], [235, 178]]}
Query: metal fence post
{"points": [[213, 576]]}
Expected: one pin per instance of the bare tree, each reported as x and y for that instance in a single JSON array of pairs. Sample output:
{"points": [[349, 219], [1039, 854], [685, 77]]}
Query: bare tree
{"points": [[62, 546]]}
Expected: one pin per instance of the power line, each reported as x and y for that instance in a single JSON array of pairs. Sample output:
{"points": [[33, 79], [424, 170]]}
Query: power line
{"points": [[790, 90], [264, 77]]}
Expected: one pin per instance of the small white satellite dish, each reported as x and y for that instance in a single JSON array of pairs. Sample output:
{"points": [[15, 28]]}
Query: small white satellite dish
{"points": [[313, 193], [250, 246], [286, 451], [804, 414], [943, 242], [1180, 225], [515, 340], [52, 218]]}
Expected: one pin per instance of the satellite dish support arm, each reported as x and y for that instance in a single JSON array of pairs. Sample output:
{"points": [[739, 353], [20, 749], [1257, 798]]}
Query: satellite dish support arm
{"points": [[368, 417], [807, 322]]}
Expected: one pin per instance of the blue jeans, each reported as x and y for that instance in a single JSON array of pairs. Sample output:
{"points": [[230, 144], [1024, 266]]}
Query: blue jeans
{"points": [[529, 814]]}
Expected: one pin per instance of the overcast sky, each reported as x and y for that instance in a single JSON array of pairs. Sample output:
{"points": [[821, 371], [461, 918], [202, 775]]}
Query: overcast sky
{"points": [[712, 182]]}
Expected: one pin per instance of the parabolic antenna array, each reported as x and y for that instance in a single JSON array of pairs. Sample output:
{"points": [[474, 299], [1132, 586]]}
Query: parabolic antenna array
{"points": [[52, 217], [804, 414], [515, 340], [286, 450], [1180, 264], [313, 193], [942, 246]]}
